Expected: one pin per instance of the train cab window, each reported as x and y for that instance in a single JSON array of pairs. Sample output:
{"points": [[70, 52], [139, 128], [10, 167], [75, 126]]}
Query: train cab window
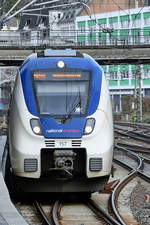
{"points": [[62, 94]]}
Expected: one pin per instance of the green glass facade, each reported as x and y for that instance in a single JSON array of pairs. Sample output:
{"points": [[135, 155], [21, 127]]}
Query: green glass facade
{"points": [[124, 18], [114, 34], [146, 81], [146, 15], [81, 24], [102, 21], [91, 37], [135, 32], [124, 33], [124, 82], [91, 22], [136, 16], [81, 38], [102, 36], [113, 83], [146, 31], [113, 68], [119, 30], [113, 19], [124, 68]]}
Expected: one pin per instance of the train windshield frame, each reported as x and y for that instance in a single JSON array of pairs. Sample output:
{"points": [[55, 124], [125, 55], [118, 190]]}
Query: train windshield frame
{"points": [[61, 93]]}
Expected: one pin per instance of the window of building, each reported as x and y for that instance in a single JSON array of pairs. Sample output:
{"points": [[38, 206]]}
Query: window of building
{"points": [[102, 23], [136, 20], [26, 36], [113, 71], [44, 33], [136, 35], [124, 36], [113, 37], [146, 70], [147, 92], [81, 39], [124, 71], [92, 37], [133, 70], [113, 22], [81, 26], [28, 21], [124, 20], [102, 38], [92, 25], [146, 18], [146, 33]]}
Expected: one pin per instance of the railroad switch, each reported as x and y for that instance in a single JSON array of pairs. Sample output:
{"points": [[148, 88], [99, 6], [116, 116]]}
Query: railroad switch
{"points": [[109, 187]]}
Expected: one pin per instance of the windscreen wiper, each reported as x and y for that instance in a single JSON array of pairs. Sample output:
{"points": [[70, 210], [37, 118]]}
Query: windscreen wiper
{"points": [[66, 117]]}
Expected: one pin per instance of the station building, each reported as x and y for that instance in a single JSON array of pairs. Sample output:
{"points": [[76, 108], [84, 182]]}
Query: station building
{"points": [[125, 27]]}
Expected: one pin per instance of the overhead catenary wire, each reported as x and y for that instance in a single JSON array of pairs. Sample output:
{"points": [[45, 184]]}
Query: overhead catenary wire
{"points": [[34, 14], [20, 10], [12, 8], [119, 7], [45, 3], [55, 6], [137, 15]]}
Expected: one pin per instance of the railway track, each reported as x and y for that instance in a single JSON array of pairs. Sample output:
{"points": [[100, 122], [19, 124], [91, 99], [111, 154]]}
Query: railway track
{"points": [[135, 126], [140, 168], [134, 134], [48, 220], [143, 163], [134, 147], [54, 217]]}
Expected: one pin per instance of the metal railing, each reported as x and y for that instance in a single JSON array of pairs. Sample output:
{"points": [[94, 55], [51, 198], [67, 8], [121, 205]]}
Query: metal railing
{"points": [[73, 38]]}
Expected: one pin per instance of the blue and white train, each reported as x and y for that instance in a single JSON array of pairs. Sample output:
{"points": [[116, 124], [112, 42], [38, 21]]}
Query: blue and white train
{"points": [[60, 124]]}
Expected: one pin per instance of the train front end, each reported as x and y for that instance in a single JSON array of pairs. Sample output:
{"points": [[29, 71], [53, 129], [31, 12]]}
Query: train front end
{"points": [[61, 129]]}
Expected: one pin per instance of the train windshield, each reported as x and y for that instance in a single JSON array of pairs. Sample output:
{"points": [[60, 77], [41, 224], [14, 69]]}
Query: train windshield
{"points": [[60, 95]]}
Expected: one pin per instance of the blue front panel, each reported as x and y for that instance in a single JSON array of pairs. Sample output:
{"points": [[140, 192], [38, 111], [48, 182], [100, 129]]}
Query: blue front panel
{"points": [[75, 128]]}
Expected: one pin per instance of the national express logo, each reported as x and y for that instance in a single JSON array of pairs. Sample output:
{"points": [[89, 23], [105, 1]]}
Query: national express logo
{"points": [[62, 131]]}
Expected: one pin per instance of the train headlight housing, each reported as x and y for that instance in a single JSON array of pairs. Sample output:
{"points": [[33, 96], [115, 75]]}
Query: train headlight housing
{"points": [[89, 126], [35, 125]]}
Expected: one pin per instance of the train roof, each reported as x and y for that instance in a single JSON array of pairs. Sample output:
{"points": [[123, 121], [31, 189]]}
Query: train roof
{"points": [[56, 53]]}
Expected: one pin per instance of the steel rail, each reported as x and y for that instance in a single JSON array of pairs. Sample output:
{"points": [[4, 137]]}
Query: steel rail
{"points": [[144, 176], [101, 213], [134, 125], [55, 212], [115, 194], [141, 159], [124, 181], [132, 154], [135, 135], [42, 214], [146, 128], [135, 148]]}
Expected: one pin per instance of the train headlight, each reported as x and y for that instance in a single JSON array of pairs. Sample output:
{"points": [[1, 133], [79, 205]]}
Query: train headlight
{"points": [[89, 126], [61, 64], [35, 125]]}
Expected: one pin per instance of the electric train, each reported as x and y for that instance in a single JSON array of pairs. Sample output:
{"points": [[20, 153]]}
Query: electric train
{"points": [[60, 136]]}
